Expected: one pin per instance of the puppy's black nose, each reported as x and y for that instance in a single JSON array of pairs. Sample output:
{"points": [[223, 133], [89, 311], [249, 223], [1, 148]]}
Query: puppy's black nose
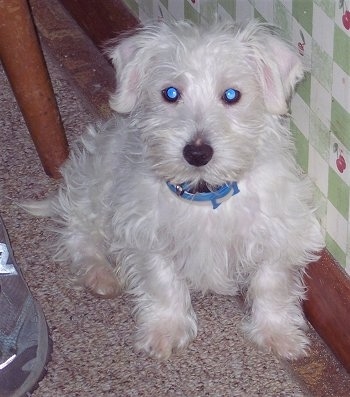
{"points": [[198, 153]]}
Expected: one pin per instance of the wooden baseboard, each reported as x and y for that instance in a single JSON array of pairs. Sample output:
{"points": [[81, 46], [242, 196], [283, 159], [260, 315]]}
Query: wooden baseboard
{"points": [[328, 299], [101, 20], [328, 305]]}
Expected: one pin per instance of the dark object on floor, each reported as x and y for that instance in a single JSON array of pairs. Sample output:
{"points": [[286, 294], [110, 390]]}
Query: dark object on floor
{"points": [[25, 346]]}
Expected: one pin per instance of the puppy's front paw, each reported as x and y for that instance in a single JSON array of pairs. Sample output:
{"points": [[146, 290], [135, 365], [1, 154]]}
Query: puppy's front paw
{"points": [[162, 339], [287, 341], [100, 280]]}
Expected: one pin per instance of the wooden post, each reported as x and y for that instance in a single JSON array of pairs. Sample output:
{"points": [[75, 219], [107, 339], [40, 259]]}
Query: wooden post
{"points": [[24, 64]]}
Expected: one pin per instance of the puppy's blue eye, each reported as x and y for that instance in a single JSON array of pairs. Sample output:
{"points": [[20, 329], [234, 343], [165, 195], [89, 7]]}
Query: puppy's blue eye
{"points": [[171, 94], [231, 96]]}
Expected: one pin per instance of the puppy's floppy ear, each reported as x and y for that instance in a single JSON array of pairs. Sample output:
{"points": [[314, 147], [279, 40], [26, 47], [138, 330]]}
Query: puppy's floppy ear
{"points": [[280, 69], [130, 56]]}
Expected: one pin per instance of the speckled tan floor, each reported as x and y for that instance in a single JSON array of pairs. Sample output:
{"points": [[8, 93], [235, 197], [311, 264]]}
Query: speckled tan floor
{"points": [[92, 338]]}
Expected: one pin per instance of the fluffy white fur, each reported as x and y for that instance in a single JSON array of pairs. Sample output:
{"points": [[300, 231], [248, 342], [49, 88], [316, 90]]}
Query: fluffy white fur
{"points": [[121, 226]]}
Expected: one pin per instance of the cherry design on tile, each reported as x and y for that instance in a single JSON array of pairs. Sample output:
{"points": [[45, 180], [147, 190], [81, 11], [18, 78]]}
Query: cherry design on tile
{"points": [[340, 161], [346, 14], [301, 43]]}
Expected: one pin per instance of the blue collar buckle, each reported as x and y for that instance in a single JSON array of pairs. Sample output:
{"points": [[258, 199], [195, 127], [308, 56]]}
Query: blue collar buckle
{"points": [[215, 198]]}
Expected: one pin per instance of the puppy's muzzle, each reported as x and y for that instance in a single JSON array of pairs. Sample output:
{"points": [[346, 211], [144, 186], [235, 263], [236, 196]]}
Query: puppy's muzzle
{"points": [[198, 153]]}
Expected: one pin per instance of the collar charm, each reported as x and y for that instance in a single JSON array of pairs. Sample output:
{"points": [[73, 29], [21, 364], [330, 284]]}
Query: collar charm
{"points": [[215, 198]]}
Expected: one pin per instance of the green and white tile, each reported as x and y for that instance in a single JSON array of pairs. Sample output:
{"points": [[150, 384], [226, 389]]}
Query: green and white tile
{"points": [[322, 66], [301, 115], [335, 250], [227, 8], [302, 11], [244, 10], [301, 145], [321, 109], [322, 29], [225, 15], [317, 170], [338, 193], [191, 13], [319, 136], [288, 4], [321, 102], [341, 49], [337, 226], [177, 9], [283, 19], [265, 9], [327, 6], [340, 122], [341, 87]]}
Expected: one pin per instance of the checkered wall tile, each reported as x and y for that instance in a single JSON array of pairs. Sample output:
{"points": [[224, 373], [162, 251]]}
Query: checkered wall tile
{"points": [[320, 122]]}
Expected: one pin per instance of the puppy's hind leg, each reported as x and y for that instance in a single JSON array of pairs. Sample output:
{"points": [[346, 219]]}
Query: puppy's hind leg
{"points": [[81, 236]]}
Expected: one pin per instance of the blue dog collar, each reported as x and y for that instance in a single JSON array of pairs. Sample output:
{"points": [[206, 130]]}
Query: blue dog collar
{"points": [[215, 198]]}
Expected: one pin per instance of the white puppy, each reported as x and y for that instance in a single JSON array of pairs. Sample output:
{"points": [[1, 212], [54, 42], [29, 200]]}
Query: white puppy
{"points": [[193, 185]]}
